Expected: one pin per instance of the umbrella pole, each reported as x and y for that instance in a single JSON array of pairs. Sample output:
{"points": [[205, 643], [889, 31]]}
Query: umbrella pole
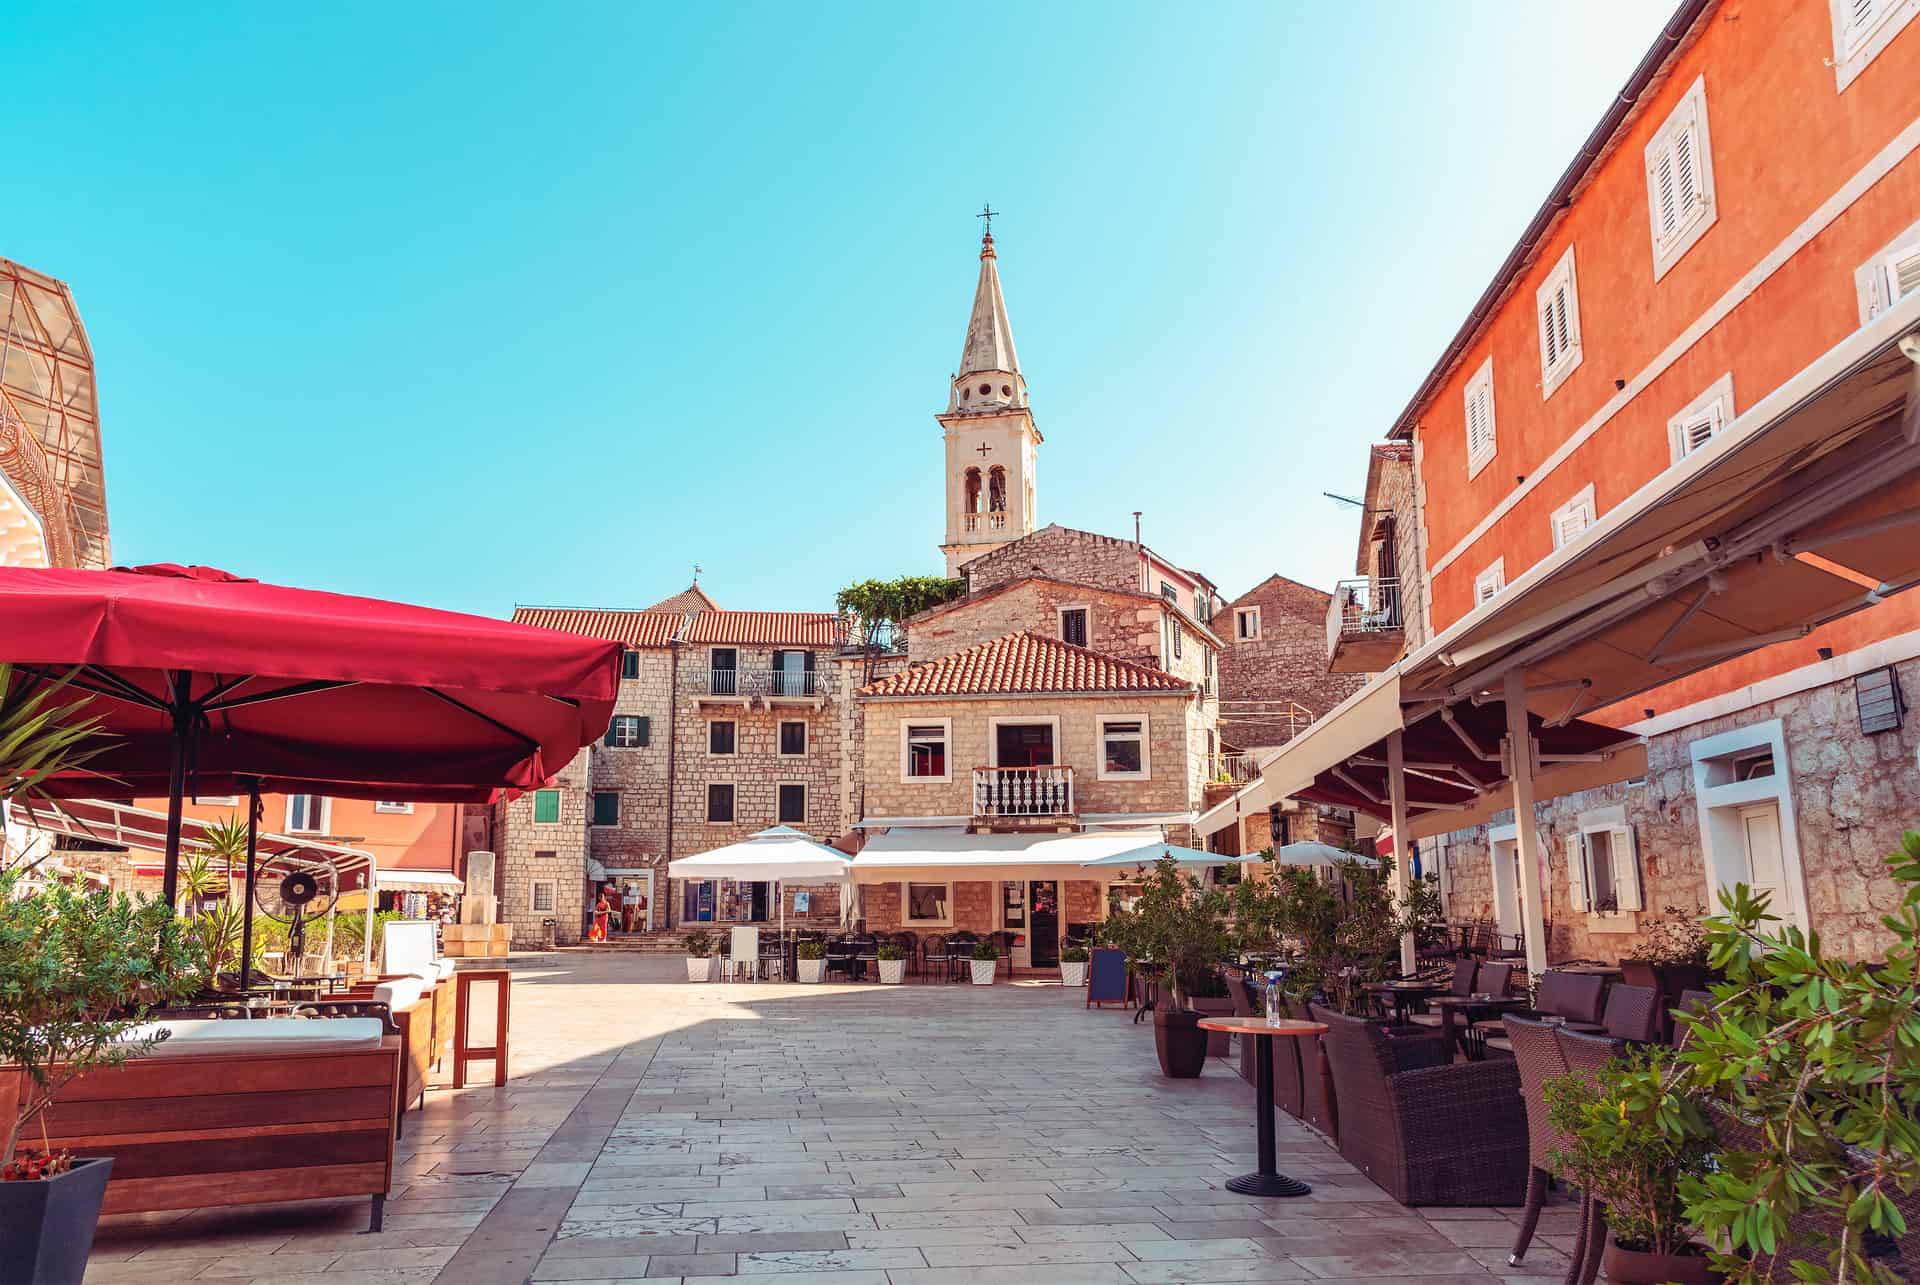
{"points": [[177, 785], [246, 911]]}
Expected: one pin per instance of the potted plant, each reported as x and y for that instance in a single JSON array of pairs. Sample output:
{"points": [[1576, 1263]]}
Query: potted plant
{"points": [[893, 964], [1073, 965], [1807, 1065], [1633, 1140], [78, 970], [1671, 955], [1176, 931], [699, 945], [812, 957], [985, 962]]}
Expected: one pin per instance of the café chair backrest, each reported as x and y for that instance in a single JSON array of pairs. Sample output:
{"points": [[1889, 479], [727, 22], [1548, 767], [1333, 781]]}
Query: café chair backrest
{"points": [[1633, 1013], [1463, 974], [1574, 996], [1493, 979]]}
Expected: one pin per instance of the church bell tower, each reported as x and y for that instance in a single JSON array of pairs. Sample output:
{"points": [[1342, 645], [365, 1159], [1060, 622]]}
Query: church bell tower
{"points": [[990, 433]]}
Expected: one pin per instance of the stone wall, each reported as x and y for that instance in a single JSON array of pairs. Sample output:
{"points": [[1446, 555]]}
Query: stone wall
{"points": [[1127, 625], [530, 853], [1080, 902], [973, 908], [1288, 662], [1853, 796], [1063, 553], [639, 775], [1173, 786], [1391, 487]]}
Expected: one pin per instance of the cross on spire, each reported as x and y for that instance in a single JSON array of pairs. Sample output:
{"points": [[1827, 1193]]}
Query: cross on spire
{"points": [[986, 217]]}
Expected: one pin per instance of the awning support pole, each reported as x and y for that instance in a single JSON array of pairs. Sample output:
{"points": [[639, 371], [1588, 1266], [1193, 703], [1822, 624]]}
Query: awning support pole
{"points": [[1526, 832], [183, 715], [246, 910], [1402, 841]]}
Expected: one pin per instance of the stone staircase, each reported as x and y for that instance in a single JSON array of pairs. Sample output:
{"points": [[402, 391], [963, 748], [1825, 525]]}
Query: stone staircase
{"points": [[660, 942]]}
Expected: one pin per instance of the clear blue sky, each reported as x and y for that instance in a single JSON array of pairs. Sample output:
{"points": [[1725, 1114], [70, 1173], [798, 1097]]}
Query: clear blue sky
{"points": [[469, 304]]}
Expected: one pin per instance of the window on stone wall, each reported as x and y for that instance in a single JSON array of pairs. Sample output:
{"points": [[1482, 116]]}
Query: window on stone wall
{"points": [[1246, 624], [541, 902], [720, 803], [793, 805], [545, 854], [720, 736], [1123, 749], [606, 807], [546, 807], [793, 738], [1603, 863], [924, 752], [629, 664], [1073, 625], [628, 731], [928, 903]]}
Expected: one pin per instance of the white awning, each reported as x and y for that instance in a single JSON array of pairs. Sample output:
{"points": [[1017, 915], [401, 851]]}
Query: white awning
{"points": [[780, 852], [418, 881], [923, 849]]}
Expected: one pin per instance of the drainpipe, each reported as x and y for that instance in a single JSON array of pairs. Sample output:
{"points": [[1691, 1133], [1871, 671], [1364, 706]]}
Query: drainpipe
{"points": [[665, 893]]}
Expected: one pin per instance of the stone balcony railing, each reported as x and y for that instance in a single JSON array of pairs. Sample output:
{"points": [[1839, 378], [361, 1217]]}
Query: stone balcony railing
{"points": [[1023, 791]]}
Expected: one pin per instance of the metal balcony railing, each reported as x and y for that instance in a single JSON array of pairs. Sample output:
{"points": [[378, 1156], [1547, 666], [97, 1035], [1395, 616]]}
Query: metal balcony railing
{"points": [[763, 682], [1232, 769], [1363, 607], [1023, 791]]}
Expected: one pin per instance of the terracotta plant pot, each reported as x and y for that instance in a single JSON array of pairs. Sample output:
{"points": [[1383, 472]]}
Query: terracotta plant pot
{"points": [[46, 1226], [893, 972], [1632, 1267], [983, 970], [1073, 974], [699, 968], [1180, 1042], [812, 970]]}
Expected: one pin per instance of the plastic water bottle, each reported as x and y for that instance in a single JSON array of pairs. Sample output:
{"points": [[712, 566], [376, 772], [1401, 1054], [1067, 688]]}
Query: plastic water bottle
{"points": [[1273, 997]]}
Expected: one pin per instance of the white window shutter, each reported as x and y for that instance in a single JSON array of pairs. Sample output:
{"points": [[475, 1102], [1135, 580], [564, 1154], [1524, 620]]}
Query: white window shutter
{"points": [[1903, 273], [1577, 859], [1626, 869]]}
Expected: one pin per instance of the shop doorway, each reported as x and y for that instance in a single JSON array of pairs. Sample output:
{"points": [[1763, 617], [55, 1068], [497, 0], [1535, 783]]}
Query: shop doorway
{"points": [[1043, 912], [635, 909]]}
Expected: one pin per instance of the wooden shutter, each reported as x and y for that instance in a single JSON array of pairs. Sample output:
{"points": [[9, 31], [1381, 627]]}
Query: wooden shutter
{"points": [[1903, 273], [613, 730], [1696, 430], [1579, 862], [1626, 869], [1858, 20], [1676, 176], [646, 730]]}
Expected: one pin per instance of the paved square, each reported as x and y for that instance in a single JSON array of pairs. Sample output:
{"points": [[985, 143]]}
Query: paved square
{"points": [[834, 1135]]}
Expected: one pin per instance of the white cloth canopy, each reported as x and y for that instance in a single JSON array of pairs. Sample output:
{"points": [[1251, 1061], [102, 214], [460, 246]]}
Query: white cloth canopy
{"points": [[1317, 854], [941, 847], [780, 852]]}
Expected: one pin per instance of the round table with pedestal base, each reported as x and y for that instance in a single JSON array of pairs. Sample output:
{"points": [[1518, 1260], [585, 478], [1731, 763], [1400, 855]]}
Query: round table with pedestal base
{"points": [[1267, 1180]]}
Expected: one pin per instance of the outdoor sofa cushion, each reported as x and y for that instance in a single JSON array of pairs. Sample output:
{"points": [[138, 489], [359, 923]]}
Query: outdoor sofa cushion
{"points": [[260, 1037]]}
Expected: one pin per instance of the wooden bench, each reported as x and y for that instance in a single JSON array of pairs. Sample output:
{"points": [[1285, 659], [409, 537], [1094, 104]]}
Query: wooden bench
{"points": [[209, 1120]]}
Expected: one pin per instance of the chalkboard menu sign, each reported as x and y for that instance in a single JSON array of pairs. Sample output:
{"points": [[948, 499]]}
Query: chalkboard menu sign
{"points": [[1107, 977]]}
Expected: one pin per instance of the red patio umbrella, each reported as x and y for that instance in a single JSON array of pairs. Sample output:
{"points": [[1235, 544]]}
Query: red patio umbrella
{"points": [[235, 686]]}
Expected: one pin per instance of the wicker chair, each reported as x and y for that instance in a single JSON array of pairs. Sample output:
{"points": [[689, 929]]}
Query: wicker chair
{"points": [[1574, 996], [1426, 1134], [1317, 1105], [1692, 1002], [1633, 1013], [1463, 974], [1538, 1056], [1585, 1055]]}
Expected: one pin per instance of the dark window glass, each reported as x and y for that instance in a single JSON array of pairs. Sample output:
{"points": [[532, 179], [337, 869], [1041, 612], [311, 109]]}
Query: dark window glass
{"points": [[606, 807], [793, 738], [793, 804], [1073, 627], [630, 664], [720, 738], [719, 803]]}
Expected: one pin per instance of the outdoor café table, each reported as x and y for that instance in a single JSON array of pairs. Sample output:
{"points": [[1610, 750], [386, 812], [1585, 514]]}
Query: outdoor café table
{"points": [[1475, 1007], [1404, 993], [1267, 1180]]}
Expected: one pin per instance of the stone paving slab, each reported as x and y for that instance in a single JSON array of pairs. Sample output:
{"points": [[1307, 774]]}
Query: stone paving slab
{"points": [[776, 1134]]}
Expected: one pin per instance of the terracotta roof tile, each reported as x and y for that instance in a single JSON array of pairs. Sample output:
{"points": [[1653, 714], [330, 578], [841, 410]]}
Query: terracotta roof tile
{"points": [[641, 630], [1024, 663], [692, 598], [766, 628]]}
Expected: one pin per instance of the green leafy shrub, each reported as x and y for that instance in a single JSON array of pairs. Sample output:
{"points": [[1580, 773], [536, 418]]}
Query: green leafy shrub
{"points": [[985, 950], [1824, 1055], [1177, 929], [700, 943], [891, 953], [810, 950], [1075, 955]]}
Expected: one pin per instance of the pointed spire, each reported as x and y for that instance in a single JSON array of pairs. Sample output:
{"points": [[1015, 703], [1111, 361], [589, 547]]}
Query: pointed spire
{"points": [[989, 346]]}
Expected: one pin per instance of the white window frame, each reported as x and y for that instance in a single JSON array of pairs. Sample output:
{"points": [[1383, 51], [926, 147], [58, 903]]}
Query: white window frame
{"points": [[1874, 280], [593, 795], [1719, 807], [394, 807], [1560, 285], [1624, 852], [1690, 111], [217, 800], [1857, 44], [1060, 621], [1714, 406], [906, 904], [779, 738], [1100, 747], [1480, 385], [1581, 503], [946, 730], [553, 897], [636, 732], [1495, 576], [326, 815], [806, 803], [1240, 616], [993, 736], [706, 803], [732, 753]]}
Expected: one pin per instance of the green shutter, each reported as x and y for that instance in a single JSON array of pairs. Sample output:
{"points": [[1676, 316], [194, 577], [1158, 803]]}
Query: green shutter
{"points": [[646, 730], [546, 807], [607, 740]]}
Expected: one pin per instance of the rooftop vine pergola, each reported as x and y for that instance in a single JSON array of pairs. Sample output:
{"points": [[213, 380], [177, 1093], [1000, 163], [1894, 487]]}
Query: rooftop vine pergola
{"points": [[880, 607]]}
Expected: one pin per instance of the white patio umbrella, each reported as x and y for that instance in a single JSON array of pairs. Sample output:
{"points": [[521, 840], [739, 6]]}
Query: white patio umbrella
{"points": [[773, 855], [1317, 854], [1147, 854]]}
